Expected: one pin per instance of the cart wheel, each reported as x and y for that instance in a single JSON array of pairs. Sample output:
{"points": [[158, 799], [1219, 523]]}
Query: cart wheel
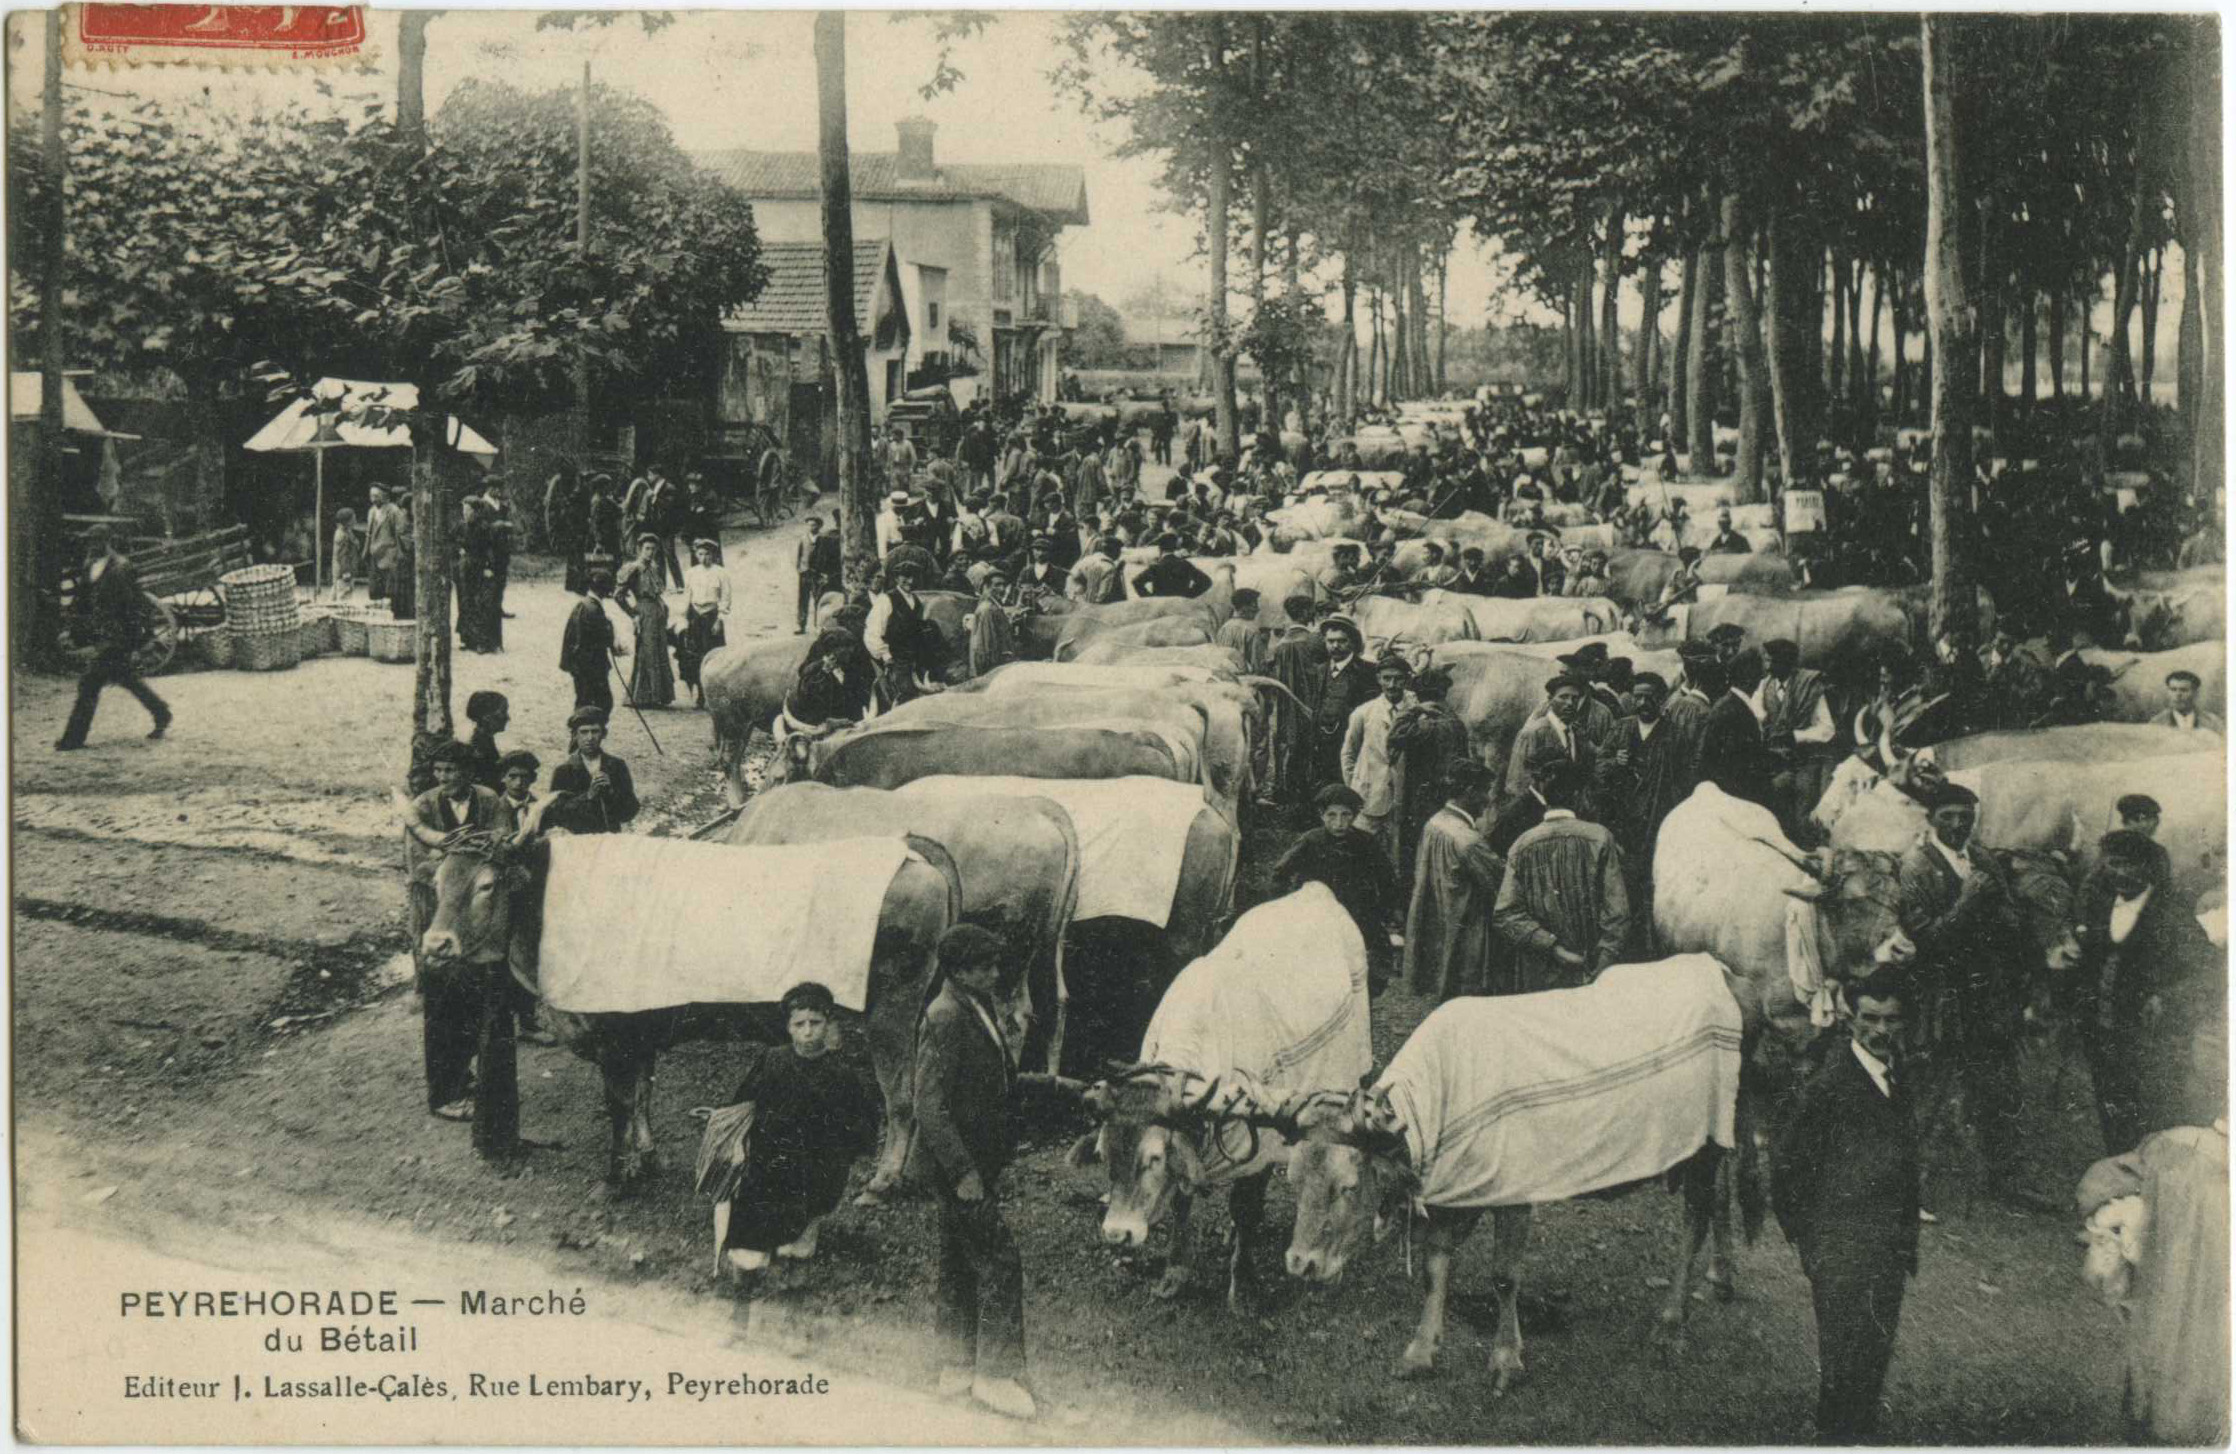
{"points": [[162, 642]]}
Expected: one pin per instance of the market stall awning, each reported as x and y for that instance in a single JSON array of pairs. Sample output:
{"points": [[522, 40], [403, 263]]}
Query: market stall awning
{"points": [[24, 395], [295, 428]]}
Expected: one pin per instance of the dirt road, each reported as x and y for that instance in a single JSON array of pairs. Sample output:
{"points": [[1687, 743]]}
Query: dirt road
{"points": [[210, 1020]]}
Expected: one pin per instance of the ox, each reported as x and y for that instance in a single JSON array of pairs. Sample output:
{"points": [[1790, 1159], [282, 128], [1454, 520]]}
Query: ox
{"points": [[2139, 677], [2179, 608], [889, 757], [1100, 642], [1637, 578], [1834, 629], [1282, 1004], [1462, 1122], [1018, 859], [489, 895], [2095, 742]]}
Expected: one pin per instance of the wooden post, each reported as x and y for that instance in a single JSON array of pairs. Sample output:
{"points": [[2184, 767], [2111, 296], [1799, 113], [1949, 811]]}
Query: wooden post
{"points": [[1953, 321]]}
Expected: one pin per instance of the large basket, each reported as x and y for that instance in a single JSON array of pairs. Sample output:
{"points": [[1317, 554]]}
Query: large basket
{"points": [[261, 598], [391, 640], [215, 647], [317, 634], [267, 650], [349, 630]]}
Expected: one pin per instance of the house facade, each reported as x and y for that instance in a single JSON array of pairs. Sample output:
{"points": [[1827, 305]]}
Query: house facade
{"points": [[976, 247], [779, 367]]}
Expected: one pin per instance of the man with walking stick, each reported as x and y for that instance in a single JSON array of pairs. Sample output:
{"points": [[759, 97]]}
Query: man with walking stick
{"points": [[589, 645]]}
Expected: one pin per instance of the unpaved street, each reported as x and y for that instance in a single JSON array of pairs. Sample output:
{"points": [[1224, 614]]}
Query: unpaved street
{"points": [[210, 1020]]}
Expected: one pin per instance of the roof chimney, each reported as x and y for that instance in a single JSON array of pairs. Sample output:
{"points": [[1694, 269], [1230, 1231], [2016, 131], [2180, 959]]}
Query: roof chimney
{"points": [[916, 148]]}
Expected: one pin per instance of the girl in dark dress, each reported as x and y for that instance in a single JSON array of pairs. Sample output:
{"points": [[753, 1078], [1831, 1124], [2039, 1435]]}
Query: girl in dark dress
{"points": [[813, 1114]]}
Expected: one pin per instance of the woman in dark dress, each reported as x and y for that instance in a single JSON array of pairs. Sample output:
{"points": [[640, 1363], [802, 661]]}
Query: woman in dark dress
{"points": [[490, 713], [637, 590], [813, 1114]]}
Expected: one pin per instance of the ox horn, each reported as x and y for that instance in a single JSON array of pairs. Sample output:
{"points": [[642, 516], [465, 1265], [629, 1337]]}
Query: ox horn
{"points": [[533, 823], [1271, 684], [1806, 864]]}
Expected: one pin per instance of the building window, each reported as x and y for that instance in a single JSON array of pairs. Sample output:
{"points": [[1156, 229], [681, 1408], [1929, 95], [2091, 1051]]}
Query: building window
{"points": [[931, 284], [1005, 264], [931, 316]]}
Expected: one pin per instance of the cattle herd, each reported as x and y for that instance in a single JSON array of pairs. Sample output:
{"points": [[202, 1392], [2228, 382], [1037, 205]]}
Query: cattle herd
{"points": [[1092, 798]]}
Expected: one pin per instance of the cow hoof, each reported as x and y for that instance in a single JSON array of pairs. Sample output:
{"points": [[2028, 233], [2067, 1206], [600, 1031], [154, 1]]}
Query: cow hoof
{"points": [[870, 1197], [1171, 1285], [1506, 1370], [1417, 1361]]}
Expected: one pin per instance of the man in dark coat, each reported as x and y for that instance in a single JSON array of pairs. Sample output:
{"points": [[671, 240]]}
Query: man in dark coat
{"points": [[1449, 943], [2145, 977], [1646, 771], [1350, 685], [818, 562], [564, 526], [1844, 1182], [1733, 753], [1970, 975], [964, 1140], [605, 795], [588, 646], [1171, 573], [466, 1008], [1297, 657], [905, 644], [109, 606], [1426, 740], [1356, 870], [1562, 906]]}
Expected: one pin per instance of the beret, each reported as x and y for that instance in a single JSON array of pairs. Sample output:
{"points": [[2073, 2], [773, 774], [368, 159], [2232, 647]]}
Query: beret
{"points": [[586, 717]]}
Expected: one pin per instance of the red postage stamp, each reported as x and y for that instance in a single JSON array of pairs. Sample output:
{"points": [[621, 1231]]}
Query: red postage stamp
{"points": [[221, 35]]}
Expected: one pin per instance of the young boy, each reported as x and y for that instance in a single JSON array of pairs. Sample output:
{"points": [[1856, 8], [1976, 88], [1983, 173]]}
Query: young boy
{"points": [[516, 772], [1356, 870]]}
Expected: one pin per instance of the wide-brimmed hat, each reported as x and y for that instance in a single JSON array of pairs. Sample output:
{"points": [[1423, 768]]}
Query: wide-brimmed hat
{"points": [[1349, 628], [1591, 655]]}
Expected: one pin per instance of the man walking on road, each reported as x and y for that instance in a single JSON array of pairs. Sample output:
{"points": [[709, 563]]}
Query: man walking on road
{"points": [[818, 563], [109, 618], [963, 1086], [587, 649]]}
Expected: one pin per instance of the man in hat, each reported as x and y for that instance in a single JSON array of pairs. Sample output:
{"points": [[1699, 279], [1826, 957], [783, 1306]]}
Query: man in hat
{"points": [[109, 606], [1449, 943], [1547, 570], [1040, 573], [1734, 754], [605, 793], [466, 1010], [892, 525], [904, 643], [1340, 575], [1351, 683], [1797, 727], [1088, 485], [1366, 752], [819, 563], [587, 646], [2182, 712], [1727, 541], [1648, 769], [1474, 577], [1171, 573], [1427, 739], [1098, 579], [1562, 906], [383, 547], [900, 459], [1845, 1177], [1244, 634], [1727, 639], [1354, 867], [1568, 727], [1959, 910], [1051, 519]]}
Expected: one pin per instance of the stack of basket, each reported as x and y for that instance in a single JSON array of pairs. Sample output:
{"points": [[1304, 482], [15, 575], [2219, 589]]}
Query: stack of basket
{"points": [[263, 617], [391, 640]]}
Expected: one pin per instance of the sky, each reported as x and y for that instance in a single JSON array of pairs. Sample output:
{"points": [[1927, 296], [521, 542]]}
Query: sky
{"points": [[747, 79]]}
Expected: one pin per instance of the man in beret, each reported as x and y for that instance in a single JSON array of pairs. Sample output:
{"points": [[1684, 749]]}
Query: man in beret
{"points": [[1727, 639], [1727, 541], [1356, 870], [1958, 909], [1426, 740], [1366, 752], [466, 1009], [605, 795], [1647, 770], [2182, 712], [1040, 573], [1568, 727], [1171, 573], [587, 647], [1548, 571]]}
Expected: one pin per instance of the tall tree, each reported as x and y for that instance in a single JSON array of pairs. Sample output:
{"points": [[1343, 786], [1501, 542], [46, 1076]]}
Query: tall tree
{"points": [[1951, 315], [857, 491]]}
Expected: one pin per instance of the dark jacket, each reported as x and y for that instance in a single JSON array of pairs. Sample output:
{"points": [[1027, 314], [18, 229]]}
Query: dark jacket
{"points": [[1844, 1170], [962, 1094], [591, 812], [1979, 952], [1733, 754], [1346, 691], [1171, 575], [109, 609], [1356, 870], [2166, 955], [584, 648], [823, 558]]}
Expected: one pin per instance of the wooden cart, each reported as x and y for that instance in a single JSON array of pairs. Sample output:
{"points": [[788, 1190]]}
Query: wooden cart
{"points": [[180, 581]]}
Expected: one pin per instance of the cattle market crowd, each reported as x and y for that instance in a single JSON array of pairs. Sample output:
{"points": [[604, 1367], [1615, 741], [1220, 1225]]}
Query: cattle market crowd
{"points": [[1628, 780]]}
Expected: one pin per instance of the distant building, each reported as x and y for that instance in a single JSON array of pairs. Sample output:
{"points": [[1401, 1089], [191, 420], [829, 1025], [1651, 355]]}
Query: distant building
{"points": [[976, 246], [1172, 343], [779, 351]]}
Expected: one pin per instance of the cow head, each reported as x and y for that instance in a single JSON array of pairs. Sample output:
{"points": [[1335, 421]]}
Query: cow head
{"points": [[1152, 1121], [800, 753], [2042, 891], [1352, 1173], [474, 882], [1858, 895]]}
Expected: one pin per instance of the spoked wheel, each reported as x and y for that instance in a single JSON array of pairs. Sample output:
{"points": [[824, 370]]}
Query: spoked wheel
{"points": [[162, 641]]}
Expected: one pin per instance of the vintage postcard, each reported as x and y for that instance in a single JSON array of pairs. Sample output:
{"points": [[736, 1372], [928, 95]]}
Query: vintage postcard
{"points": [[1086, 728]]}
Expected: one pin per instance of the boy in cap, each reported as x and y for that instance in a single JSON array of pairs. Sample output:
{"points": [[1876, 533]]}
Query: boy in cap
{"points": [[1356, 870], [606, 794]]}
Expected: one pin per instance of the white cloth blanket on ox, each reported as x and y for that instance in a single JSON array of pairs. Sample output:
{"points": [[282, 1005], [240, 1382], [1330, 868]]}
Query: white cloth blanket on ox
{"points": [[633, 923], [1133, 834], [1282, 1002], [1521, 1099]]}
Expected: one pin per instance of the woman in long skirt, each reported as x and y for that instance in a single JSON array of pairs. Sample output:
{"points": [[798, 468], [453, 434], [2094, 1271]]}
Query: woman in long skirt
{"points": [[637, 591], [813, 1114], [706, 600]]}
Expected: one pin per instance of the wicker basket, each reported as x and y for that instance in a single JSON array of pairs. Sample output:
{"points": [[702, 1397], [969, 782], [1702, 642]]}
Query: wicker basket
{"points": [[267, 650], [261, 598], [349, 630], [318, 634], [391, 640], [215, 647]]}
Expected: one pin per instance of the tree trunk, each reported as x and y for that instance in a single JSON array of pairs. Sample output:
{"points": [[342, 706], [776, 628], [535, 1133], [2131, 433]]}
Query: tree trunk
{"points": [[1400, 350], [857, 490], [1871, 358], [2208, 466], [1992, 325], [2150, 323], [1374, 386], [2119, 377], [1649, 324], [1901, 341], [1347, 367], [2054, 303], [1443, 328], [2189, 338], [1795, 318], [581, 416], [1587, 339], [411, 68], [1301, 381], [1215, 241], [1705, 366], [430, 523], [1743, 325], [2029, 346], [1859, 381], [2088, 338], [1610, 331], [1836, 362], [1261, 209], [1955, 328], [1680, 354], [32, 549]]}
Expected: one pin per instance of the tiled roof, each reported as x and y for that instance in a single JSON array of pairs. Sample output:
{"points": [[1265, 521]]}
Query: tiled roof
{"points": [[793, 301], [876, 176]]}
